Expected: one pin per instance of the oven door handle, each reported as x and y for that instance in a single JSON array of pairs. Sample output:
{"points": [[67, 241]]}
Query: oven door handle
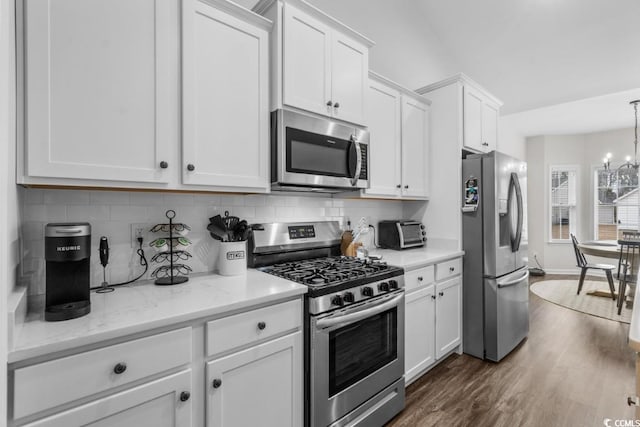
{"points": [[337, 319]]}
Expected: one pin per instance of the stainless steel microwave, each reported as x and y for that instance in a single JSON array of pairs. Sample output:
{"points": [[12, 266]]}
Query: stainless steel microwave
{"points": [[314, 154]]}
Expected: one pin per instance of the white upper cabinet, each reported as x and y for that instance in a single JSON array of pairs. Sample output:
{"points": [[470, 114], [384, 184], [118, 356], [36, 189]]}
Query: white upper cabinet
{"points": [[307, 62], [162, 94], [466, 112], [415, 149], [383, 114], [399, 141], [97, 89], [225, 99], [480, 120], [319, 64], [349, 70]]}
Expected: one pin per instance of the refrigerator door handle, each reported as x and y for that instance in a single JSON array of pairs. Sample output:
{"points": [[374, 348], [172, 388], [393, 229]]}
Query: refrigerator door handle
{"points": [[515, 187], [514, 282]]}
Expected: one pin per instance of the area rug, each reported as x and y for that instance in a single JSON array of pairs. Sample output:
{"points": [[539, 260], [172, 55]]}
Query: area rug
{"points": [[563, 293]]}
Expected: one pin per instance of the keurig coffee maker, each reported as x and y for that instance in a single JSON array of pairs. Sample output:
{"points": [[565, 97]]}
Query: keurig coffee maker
{"points": [[67, 252]]}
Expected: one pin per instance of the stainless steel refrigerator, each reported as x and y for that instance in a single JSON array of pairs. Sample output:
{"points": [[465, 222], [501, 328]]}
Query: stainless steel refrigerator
{"points": [[496, 277]]}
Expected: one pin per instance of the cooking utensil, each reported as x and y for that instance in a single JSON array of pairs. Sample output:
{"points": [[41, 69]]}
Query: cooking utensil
{"points": [[217, 232], [230, 221], [239, 231]]}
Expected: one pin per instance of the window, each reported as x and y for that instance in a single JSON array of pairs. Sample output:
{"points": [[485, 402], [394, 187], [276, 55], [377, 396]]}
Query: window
{"points": [[564, 183], [617, 205]]}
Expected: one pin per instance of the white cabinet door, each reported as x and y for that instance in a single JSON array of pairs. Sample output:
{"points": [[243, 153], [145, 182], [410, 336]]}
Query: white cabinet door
{"points": [[259, 386], [383, 116], [162, 403], [420, 316], [225, 99], [472, 119], [307, 62], [448, 315], [349, 69], [415, 148], [489, 126], [97, 89]]}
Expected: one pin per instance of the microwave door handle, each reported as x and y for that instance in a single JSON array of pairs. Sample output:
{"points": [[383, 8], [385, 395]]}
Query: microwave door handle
{"points": [[358, 155], [330, 321]]}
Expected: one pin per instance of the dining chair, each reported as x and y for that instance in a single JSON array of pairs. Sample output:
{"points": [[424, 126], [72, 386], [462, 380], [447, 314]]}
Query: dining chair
{"points": [[628, 236], [584, 266], [629, 257]]}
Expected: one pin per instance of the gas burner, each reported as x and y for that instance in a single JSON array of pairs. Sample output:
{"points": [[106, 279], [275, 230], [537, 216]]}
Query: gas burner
{"points": [[319, 272]]}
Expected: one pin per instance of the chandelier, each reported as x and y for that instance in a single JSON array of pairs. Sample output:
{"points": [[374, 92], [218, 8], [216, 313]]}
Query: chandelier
{"points": [[628, 164]]}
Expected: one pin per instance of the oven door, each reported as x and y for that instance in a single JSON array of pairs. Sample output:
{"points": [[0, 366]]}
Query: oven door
{"points": [[320, 153], [355, 353]]}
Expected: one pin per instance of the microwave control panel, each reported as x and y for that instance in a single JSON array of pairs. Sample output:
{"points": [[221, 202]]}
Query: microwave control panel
{"points": [[364, 156]]}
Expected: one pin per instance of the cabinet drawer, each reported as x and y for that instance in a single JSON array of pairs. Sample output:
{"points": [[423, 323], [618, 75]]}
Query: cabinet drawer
{"points": [[418, 278], [244, 328], [448, 269], [59, 381]]}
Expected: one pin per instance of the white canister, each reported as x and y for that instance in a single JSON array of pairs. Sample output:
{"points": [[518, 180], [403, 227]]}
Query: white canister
{"points": [[232, 259]]}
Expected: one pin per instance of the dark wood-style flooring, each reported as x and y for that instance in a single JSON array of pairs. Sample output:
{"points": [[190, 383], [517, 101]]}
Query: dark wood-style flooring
{"points": [[572, 370]]}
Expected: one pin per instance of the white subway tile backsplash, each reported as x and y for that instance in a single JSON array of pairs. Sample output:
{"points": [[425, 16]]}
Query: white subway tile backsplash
{"points": [[88, 213], [112, 213], [34, 196], [264, 212], [283, 212], [176, 201], [110, 197], [67, 197], [147, 199], [129, 213]]}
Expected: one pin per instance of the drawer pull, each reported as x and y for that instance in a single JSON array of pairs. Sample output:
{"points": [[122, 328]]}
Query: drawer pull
{"points": [[420, 278], [441, 293], [120, 368], [184, 396], [262, 325], [217, 383], [433, 297], [452, 269]]}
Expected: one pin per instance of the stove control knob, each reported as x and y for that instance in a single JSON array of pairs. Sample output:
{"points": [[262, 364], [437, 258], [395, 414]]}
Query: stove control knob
{"points": [[383, 287], [348, 297], [337, 300], [393, 284], [367, 291], [422, 226]]}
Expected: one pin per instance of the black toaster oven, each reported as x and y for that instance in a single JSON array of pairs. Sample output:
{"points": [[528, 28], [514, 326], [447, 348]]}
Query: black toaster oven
{"points": [[402, 234]]}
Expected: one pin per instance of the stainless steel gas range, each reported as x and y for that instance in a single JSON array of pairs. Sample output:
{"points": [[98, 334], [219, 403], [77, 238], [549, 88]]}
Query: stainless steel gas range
{"points": [[354, 323]]}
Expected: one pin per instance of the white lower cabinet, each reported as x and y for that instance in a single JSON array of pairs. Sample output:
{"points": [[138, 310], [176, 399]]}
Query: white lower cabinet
{"points": [[161, 403], [448, 315], [252, 363], [259, 386], [433, 319], [419, 347]]}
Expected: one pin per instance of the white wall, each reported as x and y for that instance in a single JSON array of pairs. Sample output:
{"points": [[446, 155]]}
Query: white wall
{"points": [[585, 151], [407, 50], [8, 223]]}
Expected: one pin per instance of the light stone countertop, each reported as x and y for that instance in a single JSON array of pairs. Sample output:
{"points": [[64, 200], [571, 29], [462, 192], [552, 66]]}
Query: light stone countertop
{"points": [[411, 259], [142, 307], [634, 328]]}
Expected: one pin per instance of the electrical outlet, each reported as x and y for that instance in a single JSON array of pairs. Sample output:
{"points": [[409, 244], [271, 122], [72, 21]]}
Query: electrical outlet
{"points": [[137, 230]]}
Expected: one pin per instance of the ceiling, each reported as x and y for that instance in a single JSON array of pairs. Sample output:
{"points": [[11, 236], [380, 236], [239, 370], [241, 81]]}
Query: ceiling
{"points": [[536, 53], [533, 54]]}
